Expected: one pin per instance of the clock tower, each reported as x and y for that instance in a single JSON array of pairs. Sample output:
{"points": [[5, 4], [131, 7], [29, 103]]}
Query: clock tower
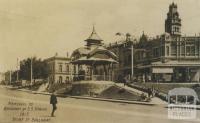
{"points": [[173, 21]]}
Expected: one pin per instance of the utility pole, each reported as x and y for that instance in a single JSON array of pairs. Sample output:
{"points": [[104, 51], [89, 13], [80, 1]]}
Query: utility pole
{"points": [[132, 62], [31, 71], [10, 76], [17, 70]]}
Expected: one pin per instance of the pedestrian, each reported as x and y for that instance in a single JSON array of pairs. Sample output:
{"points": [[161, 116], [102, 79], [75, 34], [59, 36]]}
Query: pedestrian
{"points": [[149, 92], [153, 91], [124, 79], [53, 101]]}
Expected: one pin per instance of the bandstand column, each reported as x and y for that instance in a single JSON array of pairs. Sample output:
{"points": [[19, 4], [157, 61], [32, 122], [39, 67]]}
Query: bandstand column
{"points": [[111, 72], [92, 72], [104, 73], [186, 99]]}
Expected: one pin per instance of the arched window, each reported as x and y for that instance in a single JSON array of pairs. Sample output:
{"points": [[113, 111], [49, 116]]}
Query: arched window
{"points": [[60, 79], [60, 68], [67, 68], [67, 79]]}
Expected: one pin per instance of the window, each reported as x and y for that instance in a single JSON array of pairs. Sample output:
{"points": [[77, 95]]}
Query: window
{"points": [[101, 72], [75, 69], [173, 49], [167, 50], [60, 79], [67, 79], [182, 49], [60, 68], [187, 50], [190, 50], [178, 30], [67, 68], [156, 52], [144, 55]]}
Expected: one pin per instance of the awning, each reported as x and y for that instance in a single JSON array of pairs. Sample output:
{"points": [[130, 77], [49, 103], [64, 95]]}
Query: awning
{"points": [[162, 70], [177, 64]]}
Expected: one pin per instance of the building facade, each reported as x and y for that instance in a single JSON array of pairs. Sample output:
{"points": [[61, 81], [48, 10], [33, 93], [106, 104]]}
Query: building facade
{"points": [[123, 51], [169, 57], [2, 77], [8, 77], [60, 69]]}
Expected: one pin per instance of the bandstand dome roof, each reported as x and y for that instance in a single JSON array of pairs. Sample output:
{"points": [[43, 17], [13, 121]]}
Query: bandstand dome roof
{"points": [[103, 50], [82, 51], [93, 52], [94, 36]]}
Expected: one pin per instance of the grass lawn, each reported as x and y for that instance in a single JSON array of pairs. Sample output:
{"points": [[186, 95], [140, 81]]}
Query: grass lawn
{"points": [[115, 92], [102, 90]]}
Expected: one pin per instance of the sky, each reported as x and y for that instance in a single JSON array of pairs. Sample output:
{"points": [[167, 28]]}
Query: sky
{"points": [[42, 28]]}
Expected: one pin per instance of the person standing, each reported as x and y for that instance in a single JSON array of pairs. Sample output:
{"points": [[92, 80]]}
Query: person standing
{"points": [[149, 92], [53, 101], [153, 91], [124, 80]]}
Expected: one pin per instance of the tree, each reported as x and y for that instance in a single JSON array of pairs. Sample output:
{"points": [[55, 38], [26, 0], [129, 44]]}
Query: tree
{"points": [[39, 68]]}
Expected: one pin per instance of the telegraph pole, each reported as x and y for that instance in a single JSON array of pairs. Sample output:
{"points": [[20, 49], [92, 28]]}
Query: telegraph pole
{"points": [[17, 70], [10, 76], [31, 71], [132, 62]]}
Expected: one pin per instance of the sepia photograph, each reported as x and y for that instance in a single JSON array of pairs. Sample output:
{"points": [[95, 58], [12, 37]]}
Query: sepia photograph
{"points": [[99, 61]]}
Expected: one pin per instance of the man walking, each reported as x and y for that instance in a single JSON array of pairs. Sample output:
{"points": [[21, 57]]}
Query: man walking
{"points": [[53, 101]]}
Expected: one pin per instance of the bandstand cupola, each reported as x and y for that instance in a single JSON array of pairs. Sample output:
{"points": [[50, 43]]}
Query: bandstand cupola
{"points": [[93, 39]]}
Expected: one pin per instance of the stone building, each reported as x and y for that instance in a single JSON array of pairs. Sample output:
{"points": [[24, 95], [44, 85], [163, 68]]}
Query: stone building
{"points": [[169, 57], [60, 69], [2, 77], [123, 51], [8, 77]]}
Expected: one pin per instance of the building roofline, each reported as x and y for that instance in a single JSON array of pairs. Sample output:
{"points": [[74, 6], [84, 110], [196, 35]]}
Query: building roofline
{"points": [[57, 58]]}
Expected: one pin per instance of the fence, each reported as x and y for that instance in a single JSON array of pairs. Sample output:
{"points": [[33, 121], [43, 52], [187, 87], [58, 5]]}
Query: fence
{"points": [[93, 77]]}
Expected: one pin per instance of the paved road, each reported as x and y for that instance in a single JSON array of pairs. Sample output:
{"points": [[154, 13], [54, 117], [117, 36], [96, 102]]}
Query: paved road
{"points": [[75, 110]]}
